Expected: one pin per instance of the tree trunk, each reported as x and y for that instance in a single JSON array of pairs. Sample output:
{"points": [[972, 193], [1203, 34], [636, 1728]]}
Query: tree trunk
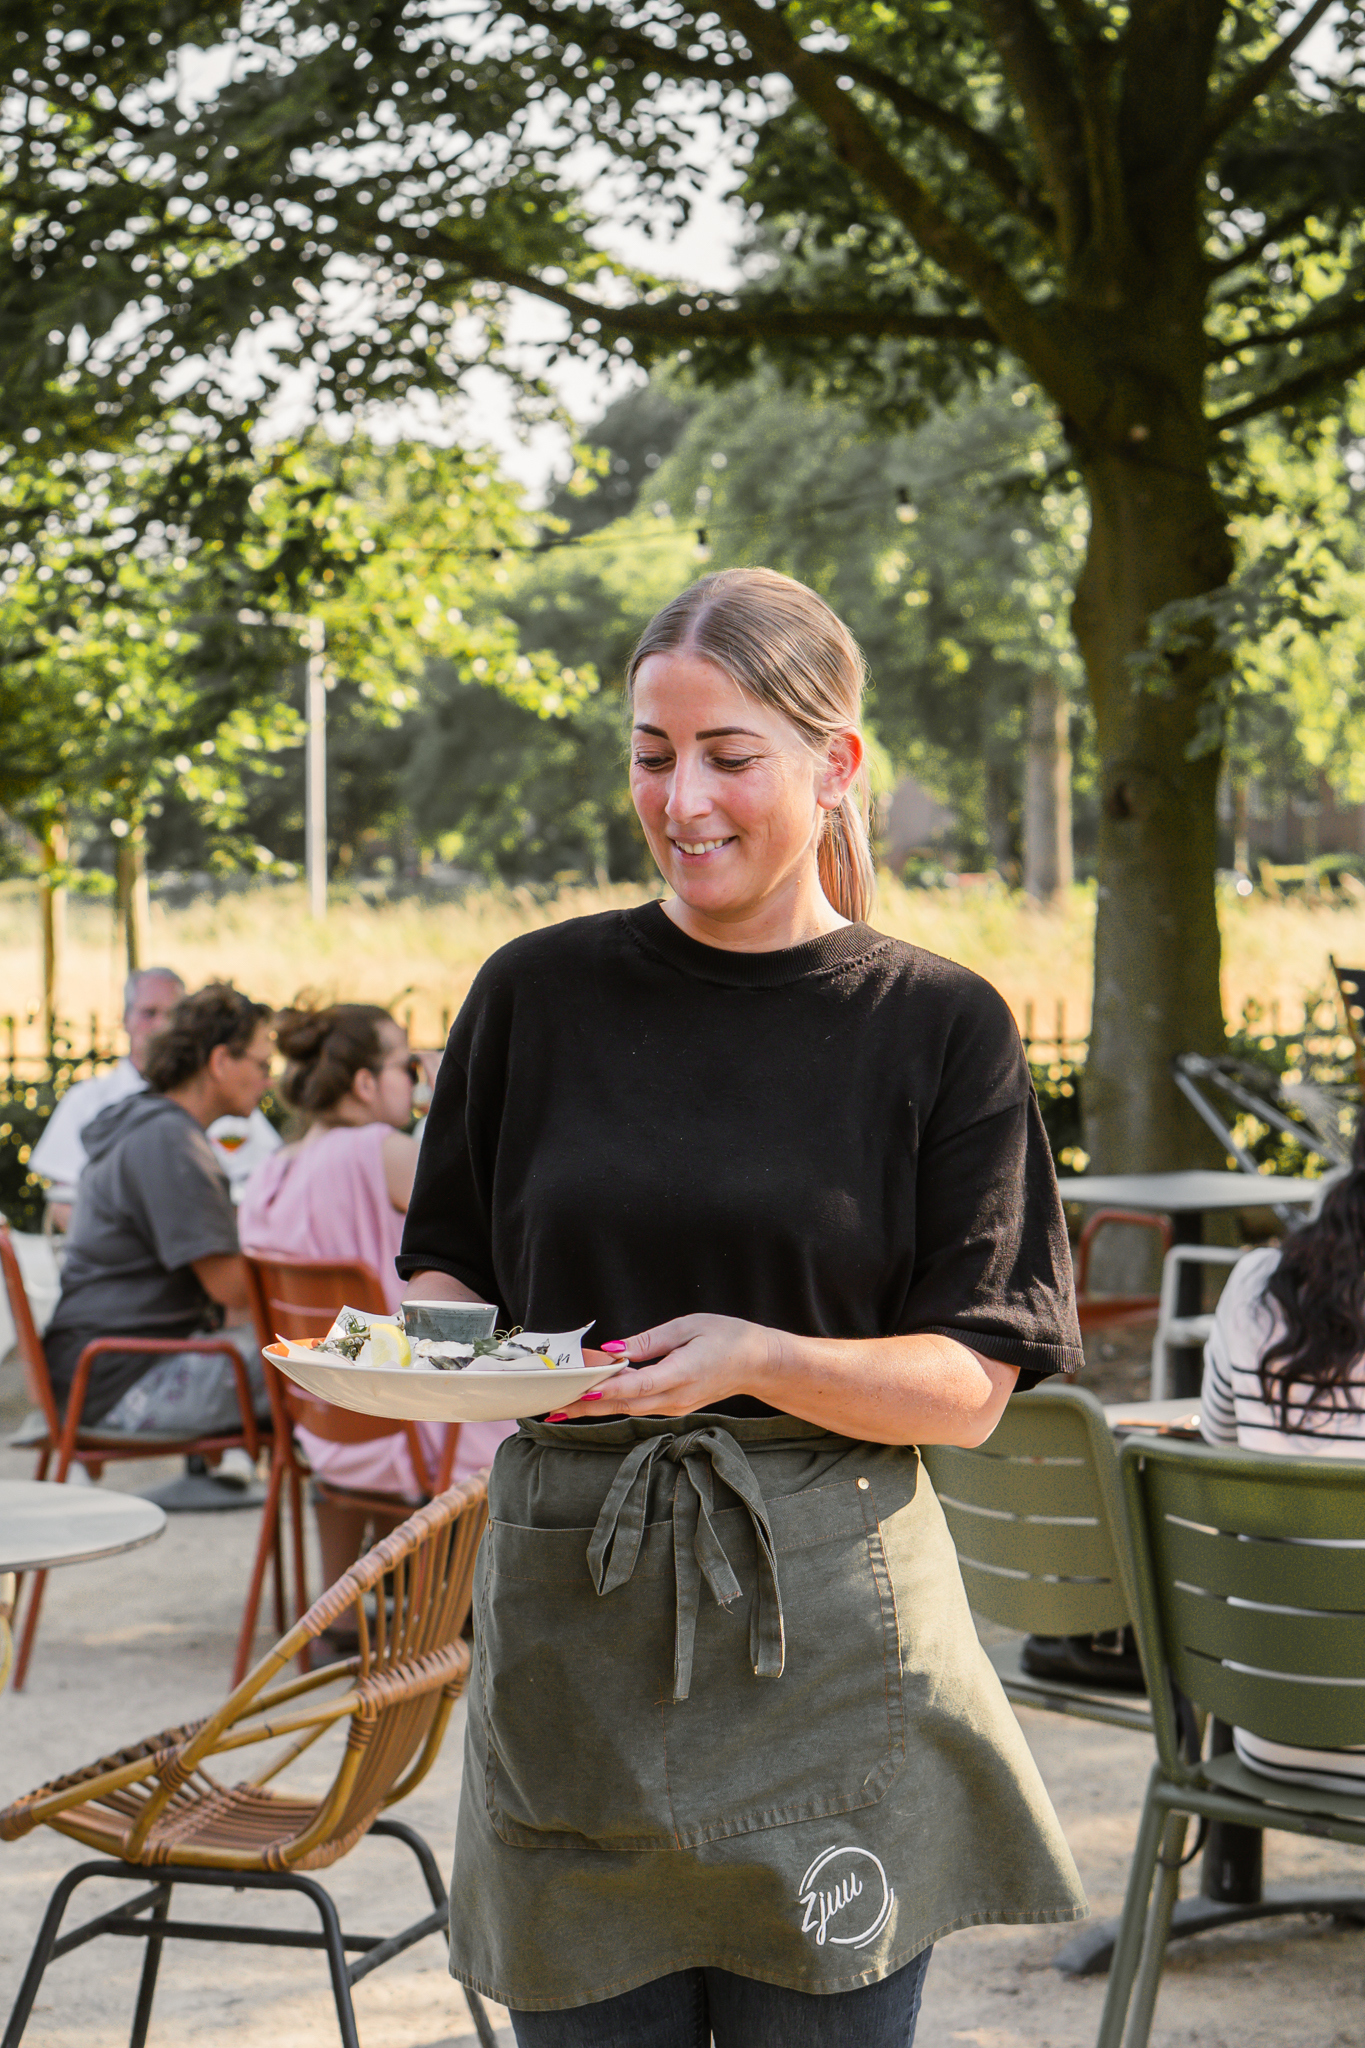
{"points": [[52, 911], [132, 900], [1000, 822], [1157, 535], [1047, 793]]}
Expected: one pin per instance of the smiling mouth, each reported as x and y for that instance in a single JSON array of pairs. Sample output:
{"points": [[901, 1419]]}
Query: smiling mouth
{"points": [[694, 847]]}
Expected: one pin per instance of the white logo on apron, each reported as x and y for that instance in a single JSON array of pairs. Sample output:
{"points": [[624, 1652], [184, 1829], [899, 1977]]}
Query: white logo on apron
{"points": [[848, 1881]]}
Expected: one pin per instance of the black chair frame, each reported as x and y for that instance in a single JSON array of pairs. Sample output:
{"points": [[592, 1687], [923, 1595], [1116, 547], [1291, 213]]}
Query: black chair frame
{"points": [[147, 1918]]}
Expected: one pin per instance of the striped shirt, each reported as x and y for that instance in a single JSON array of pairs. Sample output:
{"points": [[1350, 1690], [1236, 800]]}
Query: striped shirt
{"points": [[1233, 1410]]}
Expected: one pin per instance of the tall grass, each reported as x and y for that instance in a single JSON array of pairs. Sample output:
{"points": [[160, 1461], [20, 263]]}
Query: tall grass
{"points": [[422, 957]]}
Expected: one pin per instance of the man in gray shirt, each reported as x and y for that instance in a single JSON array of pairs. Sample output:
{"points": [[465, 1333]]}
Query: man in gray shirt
{"points": [[153, 1248]]}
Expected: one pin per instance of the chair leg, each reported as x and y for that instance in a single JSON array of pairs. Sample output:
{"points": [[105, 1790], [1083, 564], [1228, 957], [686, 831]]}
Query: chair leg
{"points": [[1127, 1948], [42, 1953], [151, 1963], [483, 2026], [298, 1534], [1158, 1932], [270, 1535], [336, 1955]]}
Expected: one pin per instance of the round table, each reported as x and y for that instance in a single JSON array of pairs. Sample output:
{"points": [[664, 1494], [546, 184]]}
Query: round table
{"points": [[42, 1525]]}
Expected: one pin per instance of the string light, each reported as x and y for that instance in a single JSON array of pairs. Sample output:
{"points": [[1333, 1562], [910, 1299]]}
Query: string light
{"points": [[906, 511], [702, 551]]}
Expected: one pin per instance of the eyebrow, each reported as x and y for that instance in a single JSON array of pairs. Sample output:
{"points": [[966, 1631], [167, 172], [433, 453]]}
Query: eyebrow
{"points": [[712, 732]]}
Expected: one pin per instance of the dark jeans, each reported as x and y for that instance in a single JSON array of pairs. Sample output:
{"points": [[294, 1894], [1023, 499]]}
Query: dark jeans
{"points": [[692, 2007]]}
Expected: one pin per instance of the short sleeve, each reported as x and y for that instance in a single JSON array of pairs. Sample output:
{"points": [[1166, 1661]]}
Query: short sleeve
{"points": [[992, 1260], [448, 1228], [186, 1208]]}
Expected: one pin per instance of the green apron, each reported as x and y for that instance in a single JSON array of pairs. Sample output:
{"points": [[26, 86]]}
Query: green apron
{"points": [[729, 1710]]}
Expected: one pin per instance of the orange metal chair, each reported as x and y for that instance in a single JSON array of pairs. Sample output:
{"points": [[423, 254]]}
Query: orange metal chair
{"points": [[156, 1812], [1115, 1311], [61, 1436], [300, 1298]]}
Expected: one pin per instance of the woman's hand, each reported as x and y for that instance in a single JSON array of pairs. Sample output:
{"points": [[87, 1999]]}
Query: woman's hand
{"points": [[684, 1367]]}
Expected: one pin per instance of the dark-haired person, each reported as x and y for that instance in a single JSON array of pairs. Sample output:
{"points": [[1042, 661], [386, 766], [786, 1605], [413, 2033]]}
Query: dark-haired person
{"points": [[1284, 1371], [341, 1192], [153, 1248]]}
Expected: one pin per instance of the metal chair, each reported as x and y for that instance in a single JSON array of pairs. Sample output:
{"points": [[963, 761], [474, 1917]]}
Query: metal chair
{"points": [[300, 1298], [1173, 1329], [1037, 1520], [1304, 1110], [1242, 1617], [63, 1437], [1114, 1311], [155, 1810]]}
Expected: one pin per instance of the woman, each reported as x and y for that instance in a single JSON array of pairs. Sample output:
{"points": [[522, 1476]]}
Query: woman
{"points": [[795, 1171], [153, 1249], [1284, 1371], [341, 1192]]}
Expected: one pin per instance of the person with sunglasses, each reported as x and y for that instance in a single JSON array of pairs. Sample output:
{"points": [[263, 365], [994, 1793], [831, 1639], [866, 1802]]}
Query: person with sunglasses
{"points": [[339, 1191], [153, 1249]]}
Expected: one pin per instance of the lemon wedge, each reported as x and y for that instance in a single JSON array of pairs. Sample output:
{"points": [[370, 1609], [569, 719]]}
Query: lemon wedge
{"points": [[389, 1345]]}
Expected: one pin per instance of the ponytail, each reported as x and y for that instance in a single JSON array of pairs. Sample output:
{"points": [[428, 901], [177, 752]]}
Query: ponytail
{"points": [[848, 873]]}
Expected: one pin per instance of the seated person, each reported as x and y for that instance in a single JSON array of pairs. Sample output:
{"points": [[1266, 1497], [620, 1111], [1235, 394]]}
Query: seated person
{"points": [[341, 1192], [1284, 1371], [59, 1157], [153, 1249]]}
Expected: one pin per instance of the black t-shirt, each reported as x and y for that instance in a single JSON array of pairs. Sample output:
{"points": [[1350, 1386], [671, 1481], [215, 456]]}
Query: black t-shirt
{"points": [[839, 1139]]}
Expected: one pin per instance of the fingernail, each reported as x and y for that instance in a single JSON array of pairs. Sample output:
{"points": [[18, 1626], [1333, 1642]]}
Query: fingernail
{"points": [[560, 1415], [615, 1345], [595, 1396]]}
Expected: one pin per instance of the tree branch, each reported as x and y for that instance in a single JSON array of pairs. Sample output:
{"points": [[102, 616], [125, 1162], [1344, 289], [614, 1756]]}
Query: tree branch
{"points": [[1241, 97], [1293, 389], [980, 150], [682, 319], [1247, 252], [1038, 74], [857, 143], [608, 36], [1351, 314]]}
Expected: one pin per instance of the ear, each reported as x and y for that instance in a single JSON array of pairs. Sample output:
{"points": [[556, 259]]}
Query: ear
{"points": [[217, 1065], [365, 1086], [843, 759]]}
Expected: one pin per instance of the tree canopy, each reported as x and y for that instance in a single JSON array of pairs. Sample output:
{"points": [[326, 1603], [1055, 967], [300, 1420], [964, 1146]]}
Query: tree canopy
{"points": [[1152, 207]]}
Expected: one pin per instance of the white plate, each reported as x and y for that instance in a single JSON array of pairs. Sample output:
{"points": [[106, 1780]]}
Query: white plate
{"points": [[412, 1393]]}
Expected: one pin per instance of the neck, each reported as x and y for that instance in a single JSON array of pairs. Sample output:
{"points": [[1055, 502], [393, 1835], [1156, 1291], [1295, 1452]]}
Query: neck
{"points": [[200, 1098], [798, 911]]}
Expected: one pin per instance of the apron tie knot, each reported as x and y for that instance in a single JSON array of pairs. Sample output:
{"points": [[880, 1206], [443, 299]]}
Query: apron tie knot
{"points": [[701, 1455]]}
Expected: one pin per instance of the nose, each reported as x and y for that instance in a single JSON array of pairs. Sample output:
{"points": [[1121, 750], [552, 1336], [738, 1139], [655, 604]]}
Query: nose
{"points": [[687, 794]]}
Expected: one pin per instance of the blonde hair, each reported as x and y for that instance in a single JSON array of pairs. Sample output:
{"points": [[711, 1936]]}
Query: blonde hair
{"points": [[779, 641]]}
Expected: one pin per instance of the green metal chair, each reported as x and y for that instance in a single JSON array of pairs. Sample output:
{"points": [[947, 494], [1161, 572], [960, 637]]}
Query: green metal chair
{"points": [[1244, 1619], [1037, 1518]]}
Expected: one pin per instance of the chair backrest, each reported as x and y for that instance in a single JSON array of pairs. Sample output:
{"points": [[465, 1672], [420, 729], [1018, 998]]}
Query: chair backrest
{"points": [[32, 1356], [300, 1298], [411, 1666], [1036, 1516], [1255, 1621]]}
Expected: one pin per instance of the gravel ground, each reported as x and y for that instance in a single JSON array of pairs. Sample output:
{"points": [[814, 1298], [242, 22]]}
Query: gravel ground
{"points": [[132, 1645]]}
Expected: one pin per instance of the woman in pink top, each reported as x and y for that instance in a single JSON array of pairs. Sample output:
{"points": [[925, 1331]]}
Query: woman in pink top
{"points": [[341, 1192]]}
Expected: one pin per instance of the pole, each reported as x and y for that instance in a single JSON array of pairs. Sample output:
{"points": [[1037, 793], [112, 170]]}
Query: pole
{"points": [[315, 774]]}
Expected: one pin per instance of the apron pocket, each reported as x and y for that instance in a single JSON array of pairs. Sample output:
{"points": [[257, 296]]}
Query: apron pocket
{"points": [[584, 1740]]}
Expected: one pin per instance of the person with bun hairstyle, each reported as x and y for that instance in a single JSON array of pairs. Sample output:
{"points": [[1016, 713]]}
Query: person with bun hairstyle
{"points": [[153, 1248], [340, 1191], [734, 1755], [1284, 1372]]}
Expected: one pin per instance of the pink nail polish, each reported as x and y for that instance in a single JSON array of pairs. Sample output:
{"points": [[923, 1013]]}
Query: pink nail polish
{"points": [[594, 1396], [560, 1415], [615, 1345]]}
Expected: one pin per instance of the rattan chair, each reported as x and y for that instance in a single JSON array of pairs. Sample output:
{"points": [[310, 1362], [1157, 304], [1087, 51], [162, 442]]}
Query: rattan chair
{"points": [[300, 1298], [155, 1807], [1242, 1615], [62, 1437]]}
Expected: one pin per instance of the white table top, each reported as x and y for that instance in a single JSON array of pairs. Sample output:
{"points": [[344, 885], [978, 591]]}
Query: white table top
{"points": [[1175, 1194], [42, 1524]]}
